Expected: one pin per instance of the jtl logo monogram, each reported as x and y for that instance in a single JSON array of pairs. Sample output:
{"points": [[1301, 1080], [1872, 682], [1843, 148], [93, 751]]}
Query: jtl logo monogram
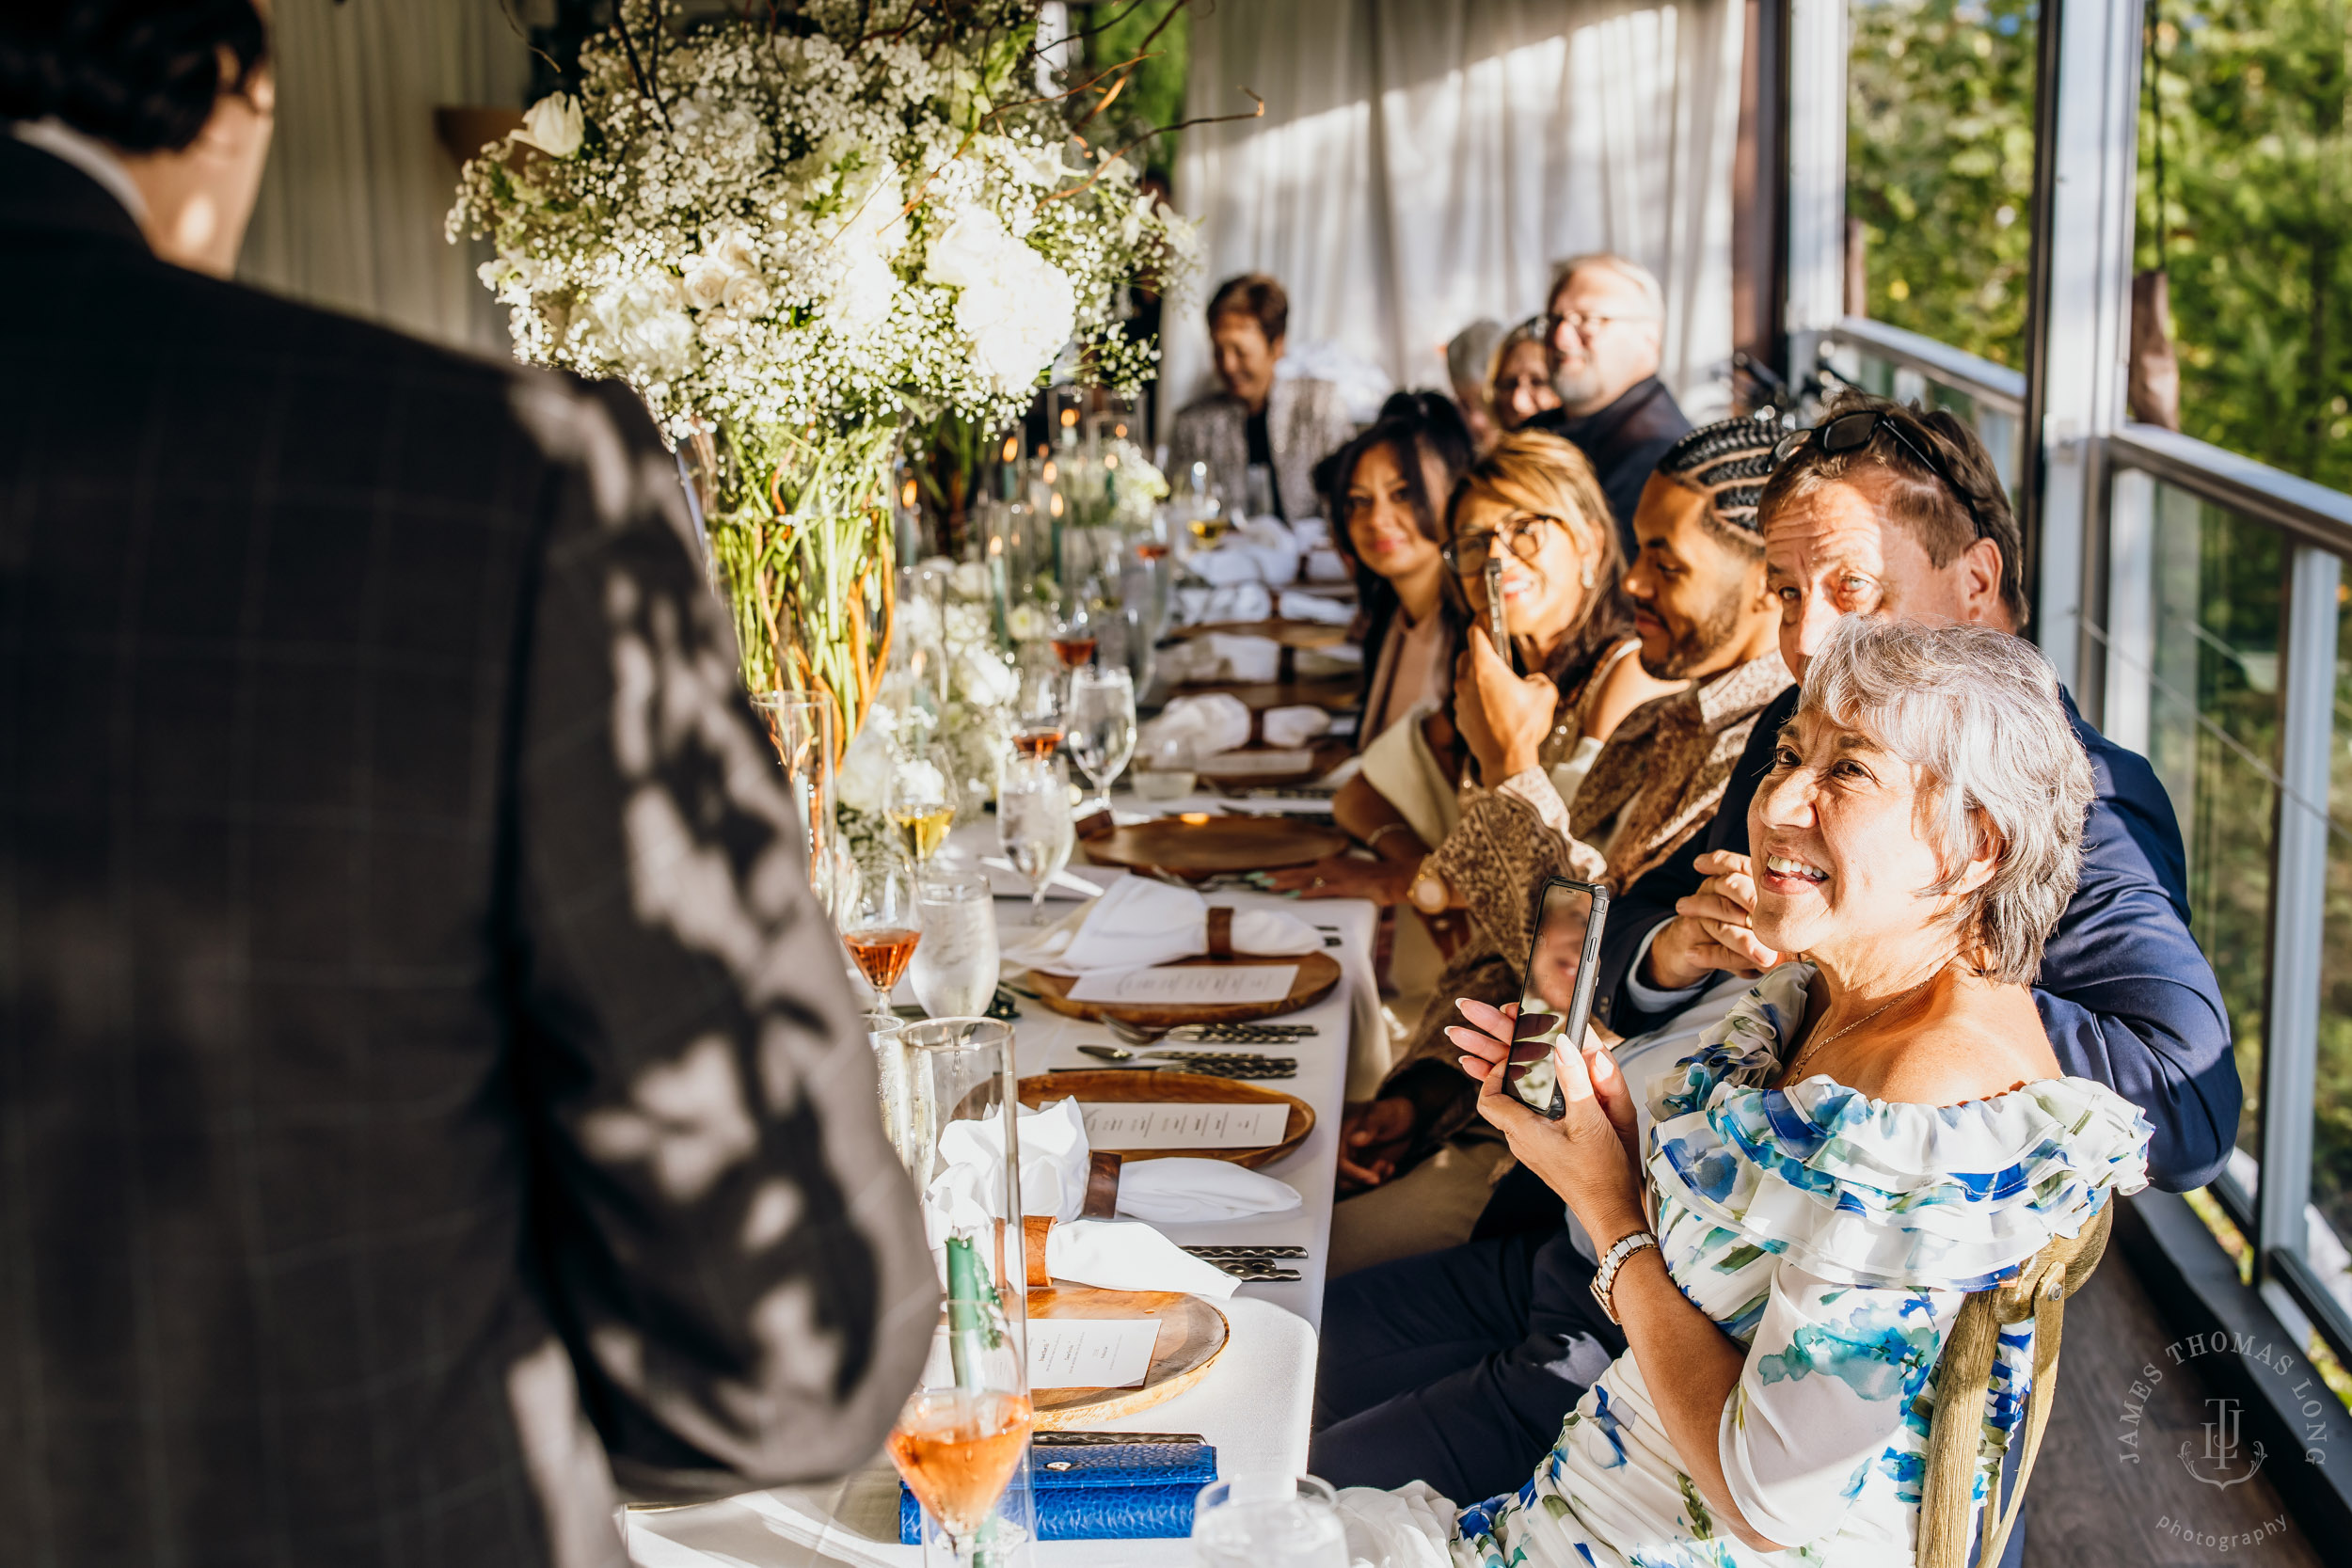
{"points": [[2220, 1464]]}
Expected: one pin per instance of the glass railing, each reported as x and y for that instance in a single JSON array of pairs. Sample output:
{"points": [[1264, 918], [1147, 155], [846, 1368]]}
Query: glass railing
{"points": [[1989, 397]]}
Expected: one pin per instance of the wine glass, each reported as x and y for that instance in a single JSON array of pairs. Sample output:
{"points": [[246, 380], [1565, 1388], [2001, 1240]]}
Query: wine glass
{"points": [[1033, 822], [1165, 770], [922, 802], [1075, 633], [955, 968], [962, 1438], [1100, 728], [1036, 721], [882, 931], [1268, 1521]]}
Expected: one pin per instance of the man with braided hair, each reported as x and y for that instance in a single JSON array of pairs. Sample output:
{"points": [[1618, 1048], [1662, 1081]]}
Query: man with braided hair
{"points": [[1703, 616]]}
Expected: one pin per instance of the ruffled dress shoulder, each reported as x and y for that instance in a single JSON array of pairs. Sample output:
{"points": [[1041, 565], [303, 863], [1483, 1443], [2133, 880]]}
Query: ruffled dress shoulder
{"points": [[1833, 1237]]}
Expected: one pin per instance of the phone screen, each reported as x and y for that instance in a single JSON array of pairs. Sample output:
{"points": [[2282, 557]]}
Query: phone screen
{"points": [[1561, 968], [1498, 625]]}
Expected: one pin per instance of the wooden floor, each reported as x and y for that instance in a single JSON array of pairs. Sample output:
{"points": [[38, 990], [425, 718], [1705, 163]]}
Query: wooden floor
{"points": [[2090, 1507]]}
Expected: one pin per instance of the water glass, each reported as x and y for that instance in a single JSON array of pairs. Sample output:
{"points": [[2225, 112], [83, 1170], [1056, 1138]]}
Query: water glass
{"points": [[955, 965], [1099, 730], [1034, 823], [1268, 1522], [1165, 770]]}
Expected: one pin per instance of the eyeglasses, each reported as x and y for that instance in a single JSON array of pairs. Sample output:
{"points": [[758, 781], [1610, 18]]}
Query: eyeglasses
{"points": [[1852, 432], [1523, 536]]}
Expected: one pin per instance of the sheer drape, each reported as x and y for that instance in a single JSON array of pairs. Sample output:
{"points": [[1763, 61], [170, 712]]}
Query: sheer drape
{"points": [[1423, 163], [351, 210]]}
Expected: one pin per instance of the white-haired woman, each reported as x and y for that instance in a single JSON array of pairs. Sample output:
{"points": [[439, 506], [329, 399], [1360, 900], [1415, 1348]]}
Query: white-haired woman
{"points": [[1876, 1131]]}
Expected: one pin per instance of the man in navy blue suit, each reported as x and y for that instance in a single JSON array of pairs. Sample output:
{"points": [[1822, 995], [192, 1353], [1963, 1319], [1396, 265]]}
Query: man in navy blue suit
{"points": [[1457, 1367]]}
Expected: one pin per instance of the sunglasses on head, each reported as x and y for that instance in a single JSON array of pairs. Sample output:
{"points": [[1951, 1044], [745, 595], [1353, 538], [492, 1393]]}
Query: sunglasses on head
{"points": [[1852, 432]]}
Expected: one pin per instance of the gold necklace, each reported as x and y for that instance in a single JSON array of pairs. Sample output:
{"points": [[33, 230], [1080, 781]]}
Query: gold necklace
{"points": [[1811, 1046]]}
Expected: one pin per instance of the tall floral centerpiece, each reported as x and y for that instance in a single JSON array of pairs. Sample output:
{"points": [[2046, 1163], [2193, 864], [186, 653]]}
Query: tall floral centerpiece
{"points": [[798, 233]]}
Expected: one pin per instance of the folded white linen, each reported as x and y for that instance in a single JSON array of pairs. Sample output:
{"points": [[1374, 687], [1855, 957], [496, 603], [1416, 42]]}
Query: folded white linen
{"points": [[1345, 659], [1127, 1254], [1139, 922], [1316, 608], [1293, 726], [1191, 1192], [1409, 1527], [1271, 544], [1328, 565], [1223, 568], [1399, 764], [1222, 656], [1214, 722], [969, 1189]]}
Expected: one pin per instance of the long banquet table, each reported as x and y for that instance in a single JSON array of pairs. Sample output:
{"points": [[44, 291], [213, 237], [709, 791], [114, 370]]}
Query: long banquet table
{"points": [[1255, 1403]]}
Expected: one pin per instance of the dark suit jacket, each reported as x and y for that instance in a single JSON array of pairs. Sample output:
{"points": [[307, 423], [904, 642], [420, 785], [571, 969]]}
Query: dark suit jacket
{"points": [[2125, 991], [425, 1071], [1624, 442]]}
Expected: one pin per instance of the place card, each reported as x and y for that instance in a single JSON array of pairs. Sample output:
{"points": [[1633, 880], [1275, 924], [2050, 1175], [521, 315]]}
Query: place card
{"points": [[1128, 1126], [1194, 983], [1090, 1352]]}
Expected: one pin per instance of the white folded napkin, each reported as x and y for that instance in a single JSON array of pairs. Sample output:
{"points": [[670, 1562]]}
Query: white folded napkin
{"points": [[969, 1191], [1295, 726], [1191, 1192], [1323, 612], [1222, 656], [1270, 544], [1123, 1254], [1328, 565], [1215, 721], [1222, 568], [1076, 882], [1139, 922], [1242, 602]]}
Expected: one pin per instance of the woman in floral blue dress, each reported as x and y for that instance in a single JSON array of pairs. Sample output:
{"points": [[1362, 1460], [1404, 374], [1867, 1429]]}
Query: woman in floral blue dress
{"points": [[1799, 1208]]}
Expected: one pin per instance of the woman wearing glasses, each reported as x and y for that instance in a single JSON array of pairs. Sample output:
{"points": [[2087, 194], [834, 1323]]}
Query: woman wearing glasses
{"points": [[1533, 508], [1521, 385]]}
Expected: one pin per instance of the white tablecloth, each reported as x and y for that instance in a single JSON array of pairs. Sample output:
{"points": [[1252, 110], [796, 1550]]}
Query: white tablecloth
{"points": [[1254, 1404]]}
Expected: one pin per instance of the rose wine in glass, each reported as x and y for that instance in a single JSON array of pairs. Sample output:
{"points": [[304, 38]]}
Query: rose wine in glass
{"points": [[957, 1449], [882, 951], [1074, 650], [1039, 742]]}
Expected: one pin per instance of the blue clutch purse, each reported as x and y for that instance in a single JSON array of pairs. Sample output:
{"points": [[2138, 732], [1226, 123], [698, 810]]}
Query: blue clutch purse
{"points": [[1103, 1492]]}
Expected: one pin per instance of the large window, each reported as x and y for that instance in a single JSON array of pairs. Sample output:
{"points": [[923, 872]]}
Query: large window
{"points": [[1939, 168], [2244, 197]]}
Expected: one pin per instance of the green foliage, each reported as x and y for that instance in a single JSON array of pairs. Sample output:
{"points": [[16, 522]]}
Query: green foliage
{"points": [[2254, 226], [1154, 93], [1939, 166]]}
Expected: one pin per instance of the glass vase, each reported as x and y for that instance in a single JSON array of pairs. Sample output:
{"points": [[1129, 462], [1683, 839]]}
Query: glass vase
{"points": [[800, 727]]}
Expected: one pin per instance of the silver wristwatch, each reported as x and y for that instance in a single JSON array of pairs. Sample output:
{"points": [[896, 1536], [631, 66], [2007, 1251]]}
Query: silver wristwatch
{"points": [[1605, 1277]]}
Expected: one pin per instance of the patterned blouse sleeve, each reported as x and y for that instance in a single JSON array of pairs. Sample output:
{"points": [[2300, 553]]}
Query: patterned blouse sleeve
{"points": [[1832, 1375]]}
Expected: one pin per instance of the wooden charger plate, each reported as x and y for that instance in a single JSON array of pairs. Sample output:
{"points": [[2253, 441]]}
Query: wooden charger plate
{"points": [[1192, 1336], [1323, 756], [1198, 845], [1337, 693], [1120, 1086], [1317, 973]]}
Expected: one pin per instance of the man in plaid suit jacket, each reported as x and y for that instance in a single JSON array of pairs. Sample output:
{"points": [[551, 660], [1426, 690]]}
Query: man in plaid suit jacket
{"points": [[428, 1091]]}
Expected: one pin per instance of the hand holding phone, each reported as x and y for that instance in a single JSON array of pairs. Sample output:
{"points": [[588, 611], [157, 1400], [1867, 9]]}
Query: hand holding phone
{"points": [[1556, 999], [1498, 625]]}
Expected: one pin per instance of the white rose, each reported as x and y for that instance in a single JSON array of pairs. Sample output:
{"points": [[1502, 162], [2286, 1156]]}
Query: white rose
{"points": [[747, 295], [983, 678], [862, 297], [968, 251], [706, 282], [968, 581], [864, 782], [735, 251], [554, 125]]}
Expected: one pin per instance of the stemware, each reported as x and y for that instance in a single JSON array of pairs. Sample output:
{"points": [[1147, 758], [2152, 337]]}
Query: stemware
{"points": [[1034, 824], [954, 972], [883, 1030], [1075, 632], [922, 802], [1036, 708], [800, 726], [1101, 727], [1165, 770], [882, 931], [962, 1439]]}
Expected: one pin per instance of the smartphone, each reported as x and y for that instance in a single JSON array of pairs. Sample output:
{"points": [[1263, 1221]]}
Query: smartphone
{"points": [[1497, 626], [1563, 962]]}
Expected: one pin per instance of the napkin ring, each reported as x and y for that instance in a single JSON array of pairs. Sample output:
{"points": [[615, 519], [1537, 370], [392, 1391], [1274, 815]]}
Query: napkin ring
{"points": [[1102, 1203]]}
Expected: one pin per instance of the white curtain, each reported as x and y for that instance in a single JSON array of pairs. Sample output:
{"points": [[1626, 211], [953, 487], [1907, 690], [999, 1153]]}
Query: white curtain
{"points": [[1423, 163], [351, 209]]}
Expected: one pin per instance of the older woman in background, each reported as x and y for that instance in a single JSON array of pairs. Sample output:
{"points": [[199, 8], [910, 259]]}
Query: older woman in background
{"points": [[1257, 419], [1871, 1135], [1518, 387]]}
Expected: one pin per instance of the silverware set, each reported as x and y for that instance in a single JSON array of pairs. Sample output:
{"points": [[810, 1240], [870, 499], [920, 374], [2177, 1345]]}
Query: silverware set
{"points": [[1256, 1265], [1216, 1064]]}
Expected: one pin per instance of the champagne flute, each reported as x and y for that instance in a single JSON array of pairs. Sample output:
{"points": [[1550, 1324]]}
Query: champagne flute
{"points": [[883, 930], [1033, 823], [954, 972], [1101, 729], [922, 802]]}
